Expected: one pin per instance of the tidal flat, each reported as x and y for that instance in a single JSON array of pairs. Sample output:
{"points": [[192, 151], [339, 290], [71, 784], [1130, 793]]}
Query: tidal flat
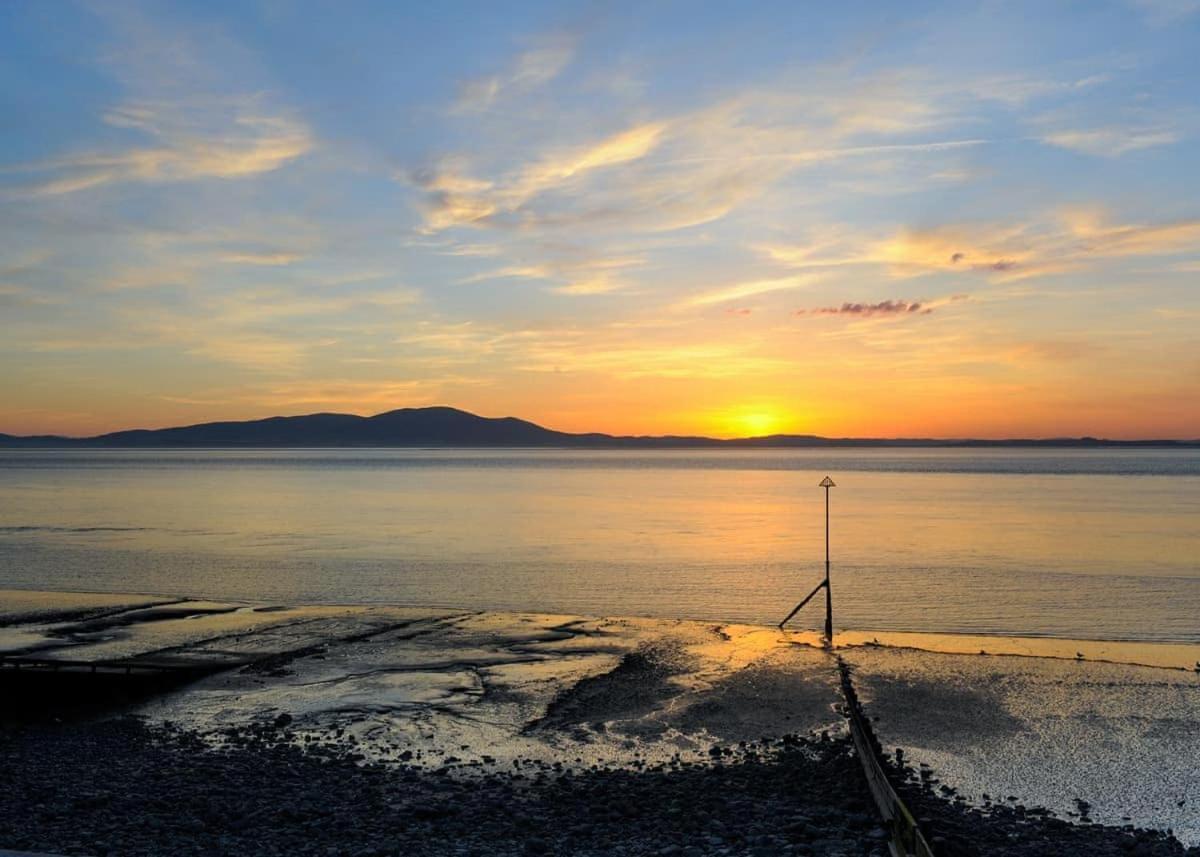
{"points": [[381, 730]]}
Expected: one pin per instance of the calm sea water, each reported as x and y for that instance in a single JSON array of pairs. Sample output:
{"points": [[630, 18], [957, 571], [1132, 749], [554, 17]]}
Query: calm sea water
{"points": [[1075, 543]]}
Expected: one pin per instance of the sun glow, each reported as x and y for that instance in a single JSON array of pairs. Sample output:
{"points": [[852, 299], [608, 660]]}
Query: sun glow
{"points": [[754, 423], [757, 418]]}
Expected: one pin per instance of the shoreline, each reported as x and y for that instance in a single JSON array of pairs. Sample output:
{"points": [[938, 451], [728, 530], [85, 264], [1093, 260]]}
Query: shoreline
{"points": [[1181, 655], [457, 695]]}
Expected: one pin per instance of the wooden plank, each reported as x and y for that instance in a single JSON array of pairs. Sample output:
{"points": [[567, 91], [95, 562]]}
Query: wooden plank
{"points": [[906, 837], [126, 666]]}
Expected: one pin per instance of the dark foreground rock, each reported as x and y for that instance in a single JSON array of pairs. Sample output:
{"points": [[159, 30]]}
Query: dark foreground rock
{"points": [[121, 788]]}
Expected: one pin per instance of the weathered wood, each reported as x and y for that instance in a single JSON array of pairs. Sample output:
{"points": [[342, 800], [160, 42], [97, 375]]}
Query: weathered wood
{"points": [[125, 666], [906, 839]]}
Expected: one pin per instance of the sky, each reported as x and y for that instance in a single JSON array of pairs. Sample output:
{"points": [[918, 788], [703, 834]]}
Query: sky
{"points": [[853, 219]]}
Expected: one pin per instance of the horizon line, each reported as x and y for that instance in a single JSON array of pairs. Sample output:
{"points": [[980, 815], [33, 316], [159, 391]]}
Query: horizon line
{"points": [[599, 435]]}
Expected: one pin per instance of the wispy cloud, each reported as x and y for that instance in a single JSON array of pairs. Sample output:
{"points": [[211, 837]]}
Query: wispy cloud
{"points": [[751, 288], [454, 198], [1111, 142], [1067, 240], [998, 252], [263, 330], [531, 69], [574, 273], [614, 350], [469, 249], [23, 296], [269, 258], [589, 229], [692, 167], [187, 111], [224, 138], [1017, 90], [1100, 236], [148, 276], [252, 351]]}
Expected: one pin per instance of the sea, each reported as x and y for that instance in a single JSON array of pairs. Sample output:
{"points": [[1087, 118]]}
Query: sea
{"points": [[1097, 544]]}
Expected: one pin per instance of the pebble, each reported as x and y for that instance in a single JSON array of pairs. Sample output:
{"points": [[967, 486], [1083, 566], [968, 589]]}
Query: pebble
{"points": [[123, 787]]}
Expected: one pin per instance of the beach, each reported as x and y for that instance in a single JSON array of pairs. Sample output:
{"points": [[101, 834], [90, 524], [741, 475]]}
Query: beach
{"points": [[600, 429], [451, 731]]}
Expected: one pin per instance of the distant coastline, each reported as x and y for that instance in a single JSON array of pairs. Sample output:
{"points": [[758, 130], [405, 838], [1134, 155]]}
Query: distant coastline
{"points": [[451, 427]]}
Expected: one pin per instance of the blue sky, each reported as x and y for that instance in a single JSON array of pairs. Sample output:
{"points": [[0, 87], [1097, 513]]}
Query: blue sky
{"points": [[924, 218]]}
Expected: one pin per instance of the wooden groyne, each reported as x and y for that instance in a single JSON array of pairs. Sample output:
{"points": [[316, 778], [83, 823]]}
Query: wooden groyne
{"points": [[134, 667], [905, 837], [33, 686]]}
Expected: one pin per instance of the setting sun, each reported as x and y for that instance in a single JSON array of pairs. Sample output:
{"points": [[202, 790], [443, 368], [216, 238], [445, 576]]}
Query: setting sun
{"points": [[751, 422], [759, 423]]}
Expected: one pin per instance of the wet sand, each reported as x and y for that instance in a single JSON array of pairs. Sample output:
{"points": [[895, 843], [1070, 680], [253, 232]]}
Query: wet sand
{"points": [[443, 697], [1121, 740]]}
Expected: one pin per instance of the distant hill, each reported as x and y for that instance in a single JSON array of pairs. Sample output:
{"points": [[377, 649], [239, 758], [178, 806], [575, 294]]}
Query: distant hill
{"points": [[450, 427], [405, 427]]}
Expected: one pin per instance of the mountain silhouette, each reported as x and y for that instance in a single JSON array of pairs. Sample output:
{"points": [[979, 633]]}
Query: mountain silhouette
{"points": [[451, 427]]}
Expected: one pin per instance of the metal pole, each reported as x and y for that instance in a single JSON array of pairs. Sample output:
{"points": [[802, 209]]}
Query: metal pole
{"points": [[825, 483], [828, 595]]}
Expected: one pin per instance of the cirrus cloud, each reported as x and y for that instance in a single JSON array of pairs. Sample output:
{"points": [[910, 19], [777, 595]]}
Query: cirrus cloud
{"points": [[1110, 142], [1070, 239], [225, 138], [531, 69]]}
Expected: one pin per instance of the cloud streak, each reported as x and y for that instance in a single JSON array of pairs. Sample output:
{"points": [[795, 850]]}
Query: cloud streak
{"points": [[531, 69], [751, 288], [692, 167], [268, 258], [221, 138], [454, 198], [1068, 240], [1111, 142], [573, 274]]}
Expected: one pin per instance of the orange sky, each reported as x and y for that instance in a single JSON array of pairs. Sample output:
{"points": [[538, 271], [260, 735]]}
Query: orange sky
{"points": [[810, 226]]}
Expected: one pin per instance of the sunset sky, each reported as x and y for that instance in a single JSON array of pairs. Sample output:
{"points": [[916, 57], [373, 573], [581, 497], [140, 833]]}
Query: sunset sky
{"points": [[921, 219]]}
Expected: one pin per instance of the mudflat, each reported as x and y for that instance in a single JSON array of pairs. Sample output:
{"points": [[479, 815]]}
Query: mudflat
{"points": [[378, 730]]}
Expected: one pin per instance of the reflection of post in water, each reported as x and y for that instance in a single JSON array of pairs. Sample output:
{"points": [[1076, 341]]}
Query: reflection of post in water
{"points": [[825, 483]]}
